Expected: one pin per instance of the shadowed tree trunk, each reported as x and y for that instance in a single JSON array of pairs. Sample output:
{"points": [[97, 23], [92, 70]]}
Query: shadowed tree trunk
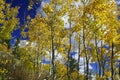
{"points": [[78, 68], [86, 55], [98, 59], [112, 64], [53, 55], [68, 56]]}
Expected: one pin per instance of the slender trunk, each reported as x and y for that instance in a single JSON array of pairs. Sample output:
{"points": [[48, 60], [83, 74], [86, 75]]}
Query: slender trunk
{"points": [[53, 54], [86, 56], [68, 65], [84, 64], [103, 68], [98, 59], [68, 56], [119, 69], [84, 46], [34, 65], [37, 56], [87, 68], [37, 60], [50, 69], [103, 61], [112, 56], [78, 68]]}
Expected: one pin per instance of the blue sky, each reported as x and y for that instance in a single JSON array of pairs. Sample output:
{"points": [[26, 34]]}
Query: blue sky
{"points": [[23, 12], [22, 15]]}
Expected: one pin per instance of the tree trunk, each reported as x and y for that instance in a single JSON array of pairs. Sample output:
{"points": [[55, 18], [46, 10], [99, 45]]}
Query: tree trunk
{"points": [[112, 56], [78, 68], [53, 55], [98, 59], [68, 56], [86, 55]]}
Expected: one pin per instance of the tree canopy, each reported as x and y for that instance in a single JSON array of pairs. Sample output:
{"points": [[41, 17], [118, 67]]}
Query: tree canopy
{"points": [[62, 44]]}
